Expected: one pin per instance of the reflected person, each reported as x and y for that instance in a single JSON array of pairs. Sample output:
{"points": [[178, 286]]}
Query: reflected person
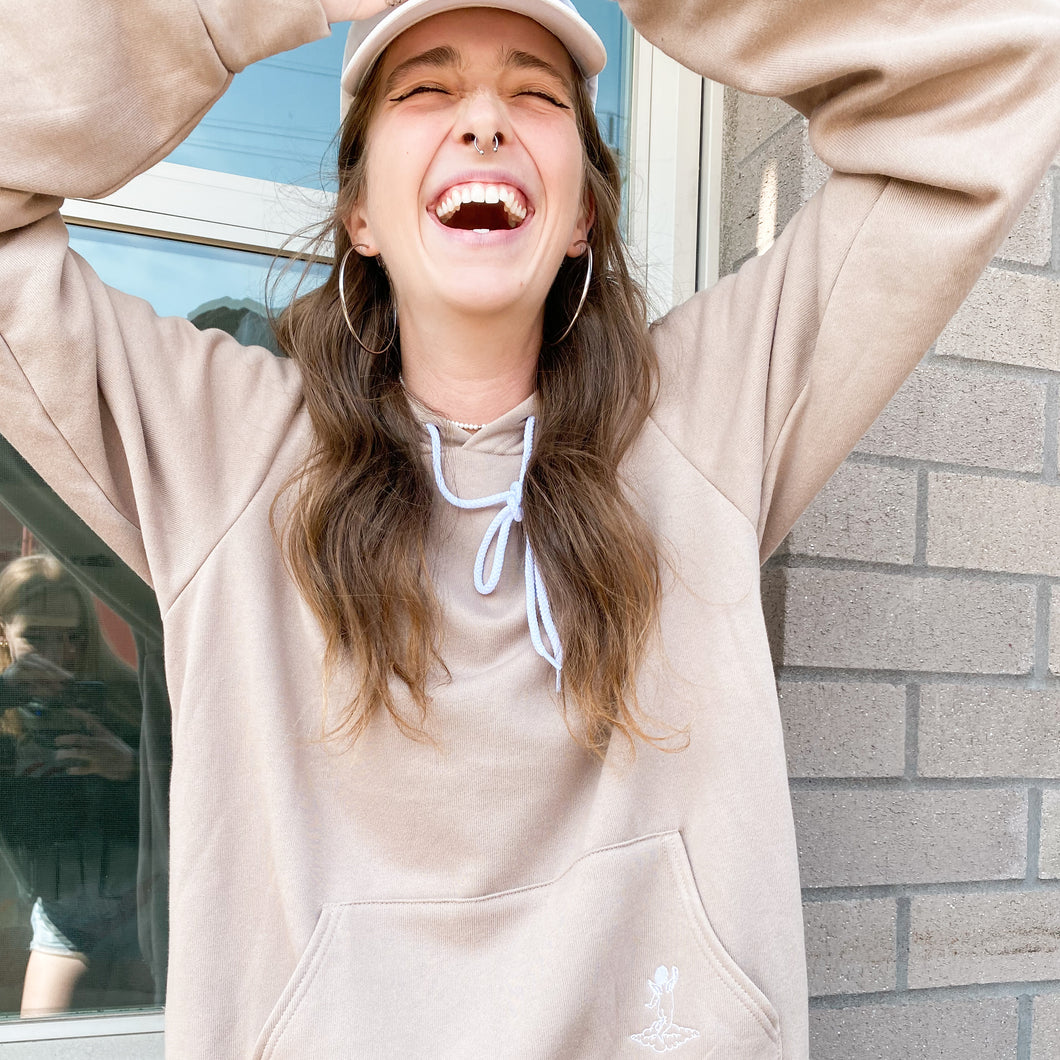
{"points": [[69, 728]]}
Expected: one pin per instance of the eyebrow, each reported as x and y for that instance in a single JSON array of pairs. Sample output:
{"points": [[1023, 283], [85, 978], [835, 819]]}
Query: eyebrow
{"points": [[513, 59], [435, 58], [445, 56]]}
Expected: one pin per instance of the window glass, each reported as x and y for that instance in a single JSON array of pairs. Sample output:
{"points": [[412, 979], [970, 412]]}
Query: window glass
{"points": [[278, 119], [84, 718], [84, 750], [211, 286]]}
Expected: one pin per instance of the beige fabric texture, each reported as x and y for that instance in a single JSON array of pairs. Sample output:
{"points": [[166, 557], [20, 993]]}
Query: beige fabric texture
{"points": [[500, 892]]}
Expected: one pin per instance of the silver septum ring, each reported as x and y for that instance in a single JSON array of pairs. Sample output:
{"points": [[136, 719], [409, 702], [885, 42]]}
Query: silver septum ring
{"points": [[496, 144]]}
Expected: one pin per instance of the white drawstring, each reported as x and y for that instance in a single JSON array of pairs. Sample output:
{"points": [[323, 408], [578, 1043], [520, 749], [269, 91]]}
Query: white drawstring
{"points": [[538, 612]]}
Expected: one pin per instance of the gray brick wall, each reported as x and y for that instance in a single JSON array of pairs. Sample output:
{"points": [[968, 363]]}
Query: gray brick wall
{"points": [[914, 615]]}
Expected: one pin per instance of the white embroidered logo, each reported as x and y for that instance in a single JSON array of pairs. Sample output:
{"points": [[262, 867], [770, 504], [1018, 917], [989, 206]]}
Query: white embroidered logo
{"points": [[663, 1036]]}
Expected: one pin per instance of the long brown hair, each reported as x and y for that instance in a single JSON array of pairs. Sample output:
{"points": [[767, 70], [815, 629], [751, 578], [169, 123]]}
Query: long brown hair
{"points": [[356, 537]]}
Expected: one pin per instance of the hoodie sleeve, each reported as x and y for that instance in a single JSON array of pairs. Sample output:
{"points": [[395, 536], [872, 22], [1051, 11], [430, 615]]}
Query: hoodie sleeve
{"points": [[97, 391], [938, 120]]}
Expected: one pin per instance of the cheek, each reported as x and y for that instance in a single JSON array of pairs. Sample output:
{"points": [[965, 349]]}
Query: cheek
{"points": [[562, 165]]}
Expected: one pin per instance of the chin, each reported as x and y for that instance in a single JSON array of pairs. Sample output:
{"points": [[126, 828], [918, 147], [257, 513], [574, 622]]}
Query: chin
{"points": [[480, 296]]}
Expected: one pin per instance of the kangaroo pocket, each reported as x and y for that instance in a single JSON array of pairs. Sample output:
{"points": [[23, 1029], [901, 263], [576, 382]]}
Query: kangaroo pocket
{"points": [[614, 958]]}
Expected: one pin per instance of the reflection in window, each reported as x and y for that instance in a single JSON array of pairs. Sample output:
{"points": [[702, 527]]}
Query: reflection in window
{"points": [[70, 719]]}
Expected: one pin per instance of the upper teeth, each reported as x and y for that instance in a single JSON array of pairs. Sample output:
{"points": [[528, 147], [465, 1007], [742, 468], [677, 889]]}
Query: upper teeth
{"points": [[454, 198]]}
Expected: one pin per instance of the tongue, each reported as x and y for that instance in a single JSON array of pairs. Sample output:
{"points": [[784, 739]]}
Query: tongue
{"points": [[478, 215]]}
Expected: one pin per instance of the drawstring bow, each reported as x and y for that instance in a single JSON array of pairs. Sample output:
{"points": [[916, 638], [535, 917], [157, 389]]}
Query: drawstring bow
{"points": [[538, 612]]}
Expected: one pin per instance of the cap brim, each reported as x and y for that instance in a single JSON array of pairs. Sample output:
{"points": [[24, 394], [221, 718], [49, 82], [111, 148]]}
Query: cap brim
{"points": [[369, 39]]}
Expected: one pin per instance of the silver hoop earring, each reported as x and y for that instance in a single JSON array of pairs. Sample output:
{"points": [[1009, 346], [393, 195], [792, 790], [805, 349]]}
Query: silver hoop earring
{"points": [[496, 144], [346, 312], [585, 292]]}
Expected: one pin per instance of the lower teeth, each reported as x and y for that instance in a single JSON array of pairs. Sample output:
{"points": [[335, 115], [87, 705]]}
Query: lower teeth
{"points": [[481, 231]]}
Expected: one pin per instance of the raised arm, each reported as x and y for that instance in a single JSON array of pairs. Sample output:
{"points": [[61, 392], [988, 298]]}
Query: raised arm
{"points": [[938, 120], [155, 433]]}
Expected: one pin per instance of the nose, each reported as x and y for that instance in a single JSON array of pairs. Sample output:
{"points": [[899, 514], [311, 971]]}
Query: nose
{"points": [[484, 123], [71, 653]]}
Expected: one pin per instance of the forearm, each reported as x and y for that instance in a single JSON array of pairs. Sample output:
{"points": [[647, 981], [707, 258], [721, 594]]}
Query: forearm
{"points": [[86, 109]]}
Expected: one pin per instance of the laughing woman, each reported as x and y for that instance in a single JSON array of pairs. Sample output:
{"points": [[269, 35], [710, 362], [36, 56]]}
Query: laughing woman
{"points": [[476, 744]]}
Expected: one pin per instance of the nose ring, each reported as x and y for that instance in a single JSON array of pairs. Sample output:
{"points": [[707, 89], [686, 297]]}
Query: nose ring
{"points": [[496, 144]]}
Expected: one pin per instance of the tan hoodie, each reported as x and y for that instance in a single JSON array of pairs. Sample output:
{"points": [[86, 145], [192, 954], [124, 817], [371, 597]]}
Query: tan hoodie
{"points": [[501, 893]]}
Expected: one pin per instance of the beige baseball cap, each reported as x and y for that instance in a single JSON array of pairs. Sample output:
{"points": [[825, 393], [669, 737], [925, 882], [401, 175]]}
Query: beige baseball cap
{"points": [[368, 38]]}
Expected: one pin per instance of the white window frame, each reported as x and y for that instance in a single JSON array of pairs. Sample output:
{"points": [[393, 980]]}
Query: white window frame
{"points": [[65, 1028], [674, 204], [675, 177], [202, 206]]}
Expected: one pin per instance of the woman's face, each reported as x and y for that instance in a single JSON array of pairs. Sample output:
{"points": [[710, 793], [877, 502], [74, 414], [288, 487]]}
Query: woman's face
{"points": [[52, 627], [474, 72]]}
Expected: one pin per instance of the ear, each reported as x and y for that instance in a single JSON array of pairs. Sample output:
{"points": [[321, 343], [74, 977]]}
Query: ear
{"points": [[360, 233], [586, 220]]}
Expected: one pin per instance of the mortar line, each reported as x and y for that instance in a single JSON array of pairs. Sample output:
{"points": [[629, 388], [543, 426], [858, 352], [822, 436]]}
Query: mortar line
{"points": [[1050, 425], [914, 463], [976, 575], [1034, 834], [1024, 1027], [926, 995], [954, 889], [1025, 268], [921, 519], [920, 784], [912, 729], [1040, 669], [854, 674], [902, 934]]}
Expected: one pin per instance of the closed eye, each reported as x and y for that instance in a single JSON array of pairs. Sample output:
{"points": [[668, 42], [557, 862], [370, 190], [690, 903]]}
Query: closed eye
{"points": [[417, 91], [547, 96]]}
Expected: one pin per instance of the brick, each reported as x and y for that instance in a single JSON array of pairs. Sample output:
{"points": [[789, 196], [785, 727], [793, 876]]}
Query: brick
{"points": [[986, 523], [864, 512], [1049, 851], [751, 120], [931, 1030], [843, 729], [950, 414], [865, 620], [1030, 242], [850, 946], [760, 195], [988, 732], [866, 838], [814, 172], [762, 191], [984, 938], [1045, 1033], [1009, 318]]}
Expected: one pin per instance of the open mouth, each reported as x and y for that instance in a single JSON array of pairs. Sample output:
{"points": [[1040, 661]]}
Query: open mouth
{"points": [[482, 207]]}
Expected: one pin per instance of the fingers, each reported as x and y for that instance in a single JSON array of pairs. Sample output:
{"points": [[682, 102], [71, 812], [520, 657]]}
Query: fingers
{"points": [[347, 10], [35, 675], [91, 723], [107, 757]]}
